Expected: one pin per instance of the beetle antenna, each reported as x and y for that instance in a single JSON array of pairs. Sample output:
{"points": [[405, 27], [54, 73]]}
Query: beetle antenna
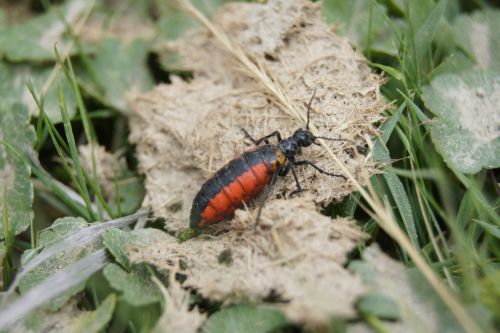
{"points": [[309, 108], [332, 139]]}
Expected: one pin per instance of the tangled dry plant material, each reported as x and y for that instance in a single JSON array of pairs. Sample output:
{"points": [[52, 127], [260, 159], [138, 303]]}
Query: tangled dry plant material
{"points": [[186, 130]]}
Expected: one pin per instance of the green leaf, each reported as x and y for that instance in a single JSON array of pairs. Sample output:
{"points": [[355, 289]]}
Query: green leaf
{"points": [[16, 136], [465, 131], [130, 194], [136, 286], [478, 35], [96, 320], [34, 39], [364, 22], [118, 241], [122, 69], [69, 319], [60, 228], [245, 318], [14, 85], [378, 305]]}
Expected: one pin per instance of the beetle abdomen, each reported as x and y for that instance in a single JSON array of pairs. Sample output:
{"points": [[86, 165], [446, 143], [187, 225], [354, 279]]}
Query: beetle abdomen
{"points": [[241, 180]]}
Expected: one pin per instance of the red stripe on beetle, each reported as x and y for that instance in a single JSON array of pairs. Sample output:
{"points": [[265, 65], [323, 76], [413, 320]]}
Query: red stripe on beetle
{"points": [[244, 188]]}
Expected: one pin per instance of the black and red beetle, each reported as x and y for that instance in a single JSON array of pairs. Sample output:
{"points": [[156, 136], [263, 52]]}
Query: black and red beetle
{"points": [[243, 178]]}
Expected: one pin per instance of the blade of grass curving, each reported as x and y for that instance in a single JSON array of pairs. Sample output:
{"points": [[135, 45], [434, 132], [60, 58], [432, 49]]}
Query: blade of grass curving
{"points": [[76, 239], [402, 201], [63, 192], [491, 229], [41, 131], [477, 195], [117, 197], [428, 228], [389, 70], [43, 118], [59, 150], [393, 182], [52, 287], [74, 153], [427, 174], [70, 75], [425, 33], [89, 133], [410, 62], [379, 210], [414, 107], [100, 198]]}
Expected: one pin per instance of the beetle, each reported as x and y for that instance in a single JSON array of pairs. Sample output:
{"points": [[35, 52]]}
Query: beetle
{"points": [[256, 170]]}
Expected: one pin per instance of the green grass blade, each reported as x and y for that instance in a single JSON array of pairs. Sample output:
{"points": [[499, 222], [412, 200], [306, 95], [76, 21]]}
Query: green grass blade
{"points": [[426, 32], [74, 154], [491, 229], [389, 70]]}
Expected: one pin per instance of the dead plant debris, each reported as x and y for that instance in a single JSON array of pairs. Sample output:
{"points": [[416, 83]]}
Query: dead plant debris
{"points": [[185, 131], [296, 255]]}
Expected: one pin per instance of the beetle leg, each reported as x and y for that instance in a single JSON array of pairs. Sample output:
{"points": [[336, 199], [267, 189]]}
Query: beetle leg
{"points": [[299, 187], [264, 197], [264, 139], [306, 162]]}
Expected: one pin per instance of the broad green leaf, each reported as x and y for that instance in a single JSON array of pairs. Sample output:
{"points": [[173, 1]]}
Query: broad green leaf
{"points": [[118, 241], [378, 305], [16, 136], [136, 286], [60, 228], [69, 319], [122, 69], [245, 318], [465, 129], [14, 85], [478, 34], [130, 191], [34, 39], [364, 22]]}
